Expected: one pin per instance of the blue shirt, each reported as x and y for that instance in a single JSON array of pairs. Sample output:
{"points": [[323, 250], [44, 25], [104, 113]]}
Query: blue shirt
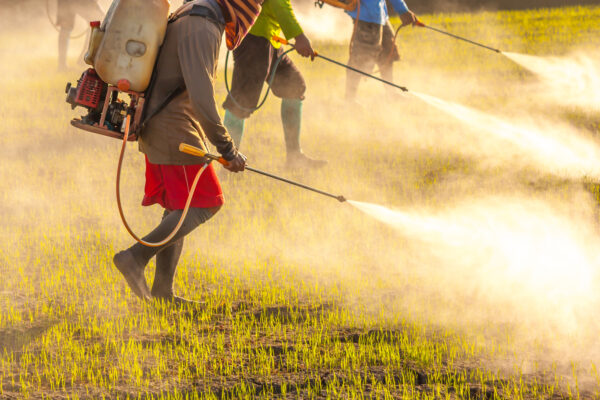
{"points": [[375, 11]]}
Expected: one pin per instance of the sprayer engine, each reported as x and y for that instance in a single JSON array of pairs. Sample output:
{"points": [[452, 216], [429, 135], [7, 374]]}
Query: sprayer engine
{"points": [[106, 111]]}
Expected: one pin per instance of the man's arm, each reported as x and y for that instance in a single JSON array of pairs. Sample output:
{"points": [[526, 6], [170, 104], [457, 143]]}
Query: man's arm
{"points": [[198, 53], [406, 16], [291, 27], [284, 14]]}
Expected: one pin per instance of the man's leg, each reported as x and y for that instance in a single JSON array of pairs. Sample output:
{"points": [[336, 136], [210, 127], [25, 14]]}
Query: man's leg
{"points": [[63, 47], [166, 266], [364, 49], [235, 127], [65, 20], [133, 261], [291, 119], [251, 66], [388, 55], [289, 85]]}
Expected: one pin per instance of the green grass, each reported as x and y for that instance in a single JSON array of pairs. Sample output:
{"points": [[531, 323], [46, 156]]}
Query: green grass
{"points": [[303, 297]]}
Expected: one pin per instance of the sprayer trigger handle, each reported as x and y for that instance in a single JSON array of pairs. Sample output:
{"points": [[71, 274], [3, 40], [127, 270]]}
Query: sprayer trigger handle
{"points": [[222, 161], [280, 39]]}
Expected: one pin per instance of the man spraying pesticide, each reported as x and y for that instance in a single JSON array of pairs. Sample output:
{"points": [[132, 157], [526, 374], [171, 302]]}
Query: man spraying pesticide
{"points": [[260, 57], [179, 107], [173, 109], [373, 40], [187, 60]]}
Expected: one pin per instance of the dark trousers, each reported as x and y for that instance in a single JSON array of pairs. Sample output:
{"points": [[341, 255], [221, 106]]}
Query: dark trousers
{"points": [[372, 44], [254, 61]]}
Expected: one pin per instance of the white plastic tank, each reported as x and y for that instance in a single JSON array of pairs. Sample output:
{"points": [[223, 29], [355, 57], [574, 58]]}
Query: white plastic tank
{"points": [[133, 33]]}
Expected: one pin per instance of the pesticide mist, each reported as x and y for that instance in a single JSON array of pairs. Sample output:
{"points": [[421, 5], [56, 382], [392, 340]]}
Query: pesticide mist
{"points": [[574, 79], [534, 262], [558, 149]]}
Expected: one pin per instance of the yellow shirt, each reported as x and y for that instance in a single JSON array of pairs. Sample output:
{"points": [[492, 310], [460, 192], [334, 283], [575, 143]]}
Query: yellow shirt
{"points": [[276, 16]]}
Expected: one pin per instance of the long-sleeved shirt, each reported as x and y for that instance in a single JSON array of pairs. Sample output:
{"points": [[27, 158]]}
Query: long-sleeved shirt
{"points": [[188, 59], [375, 11], [276, 16]]}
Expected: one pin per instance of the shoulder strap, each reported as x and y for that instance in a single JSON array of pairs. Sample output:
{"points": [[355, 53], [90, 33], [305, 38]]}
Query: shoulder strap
{"points": [[197, 10], [147, 117]]}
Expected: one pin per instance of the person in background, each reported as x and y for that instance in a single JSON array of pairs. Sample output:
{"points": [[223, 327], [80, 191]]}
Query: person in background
{"points": [[186, 65], [66, 11], [254, 61], [372, 40]]}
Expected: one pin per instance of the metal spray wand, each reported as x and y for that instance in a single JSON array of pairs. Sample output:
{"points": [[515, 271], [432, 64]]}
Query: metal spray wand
{"points": [[195, 151]]}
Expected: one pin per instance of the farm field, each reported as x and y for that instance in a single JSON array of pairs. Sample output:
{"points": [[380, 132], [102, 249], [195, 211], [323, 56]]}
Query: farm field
{"points": [[488, 290]]}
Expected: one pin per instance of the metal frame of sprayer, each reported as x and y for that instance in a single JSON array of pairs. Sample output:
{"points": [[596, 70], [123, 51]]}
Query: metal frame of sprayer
{"points": [[107, 112]]}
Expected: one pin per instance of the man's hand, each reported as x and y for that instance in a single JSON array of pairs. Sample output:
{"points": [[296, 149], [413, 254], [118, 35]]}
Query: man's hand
{"points": [[303, 46], [237, 164], [408, 18]]}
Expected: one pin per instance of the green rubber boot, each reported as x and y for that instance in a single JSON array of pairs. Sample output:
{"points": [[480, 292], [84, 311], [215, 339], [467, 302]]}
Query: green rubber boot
{"points": [[235, 127], [291, 119]]}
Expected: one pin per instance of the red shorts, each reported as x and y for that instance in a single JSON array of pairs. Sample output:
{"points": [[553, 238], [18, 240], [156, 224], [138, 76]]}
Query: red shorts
{"points": [[169, 186]]}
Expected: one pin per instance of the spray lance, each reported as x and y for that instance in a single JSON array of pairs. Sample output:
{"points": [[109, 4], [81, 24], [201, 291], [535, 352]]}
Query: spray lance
{"points": [[422, 25], [195, 151], [317, 55], [403, 88]]}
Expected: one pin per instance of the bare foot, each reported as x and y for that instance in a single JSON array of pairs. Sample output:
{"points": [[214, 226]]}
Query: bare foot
{"points": [[133, 273]]}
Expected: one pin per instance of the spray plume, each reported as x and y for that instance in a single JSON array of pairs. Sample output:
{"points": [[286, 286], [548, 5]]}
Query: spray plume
{"points": [[326, 24], [523, 254], [559, 150], [574, 79]]}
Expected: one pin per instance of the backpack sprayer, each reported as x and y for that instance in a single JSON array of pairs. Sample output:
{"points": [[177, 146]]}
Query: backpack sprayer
{"points": [[122, 51]]}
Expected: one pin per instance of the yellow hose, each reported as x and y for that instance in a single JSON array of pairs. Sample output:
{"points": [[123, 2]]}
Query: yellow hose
{"points": [[185, 209]]}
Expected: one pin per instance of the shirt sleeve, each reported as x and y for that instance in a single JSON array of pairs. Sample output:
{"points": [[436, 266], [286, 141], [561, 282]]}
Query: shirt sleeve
{"points": [[198, 54], [399, 6], [282, 9]]}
